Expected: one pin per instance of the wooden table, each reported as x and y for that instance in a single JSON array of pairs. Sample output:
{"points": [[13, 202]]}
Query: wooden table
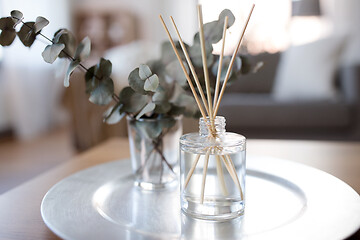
{"points": [[20, 207]]}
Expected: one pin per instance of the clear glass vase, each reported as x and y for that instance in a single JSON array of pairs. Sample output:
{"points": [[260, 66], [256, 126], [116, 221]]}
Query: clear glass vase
{"points": [[154, 150], [212, 172]]}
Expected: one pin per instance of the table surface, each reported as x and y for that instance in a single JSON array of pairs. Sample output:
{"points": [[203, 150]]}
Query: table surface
{"points": [[20, 207]]}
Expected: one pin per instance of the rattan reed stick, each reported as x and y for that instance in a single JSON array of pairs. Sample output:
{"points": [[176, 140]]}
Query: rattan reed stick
{"points": [[232, 61], [220, 174], [184, 69], [191, 171], [217, 85], [192, 69], [206, 163], [205, 67], [232, 172]]}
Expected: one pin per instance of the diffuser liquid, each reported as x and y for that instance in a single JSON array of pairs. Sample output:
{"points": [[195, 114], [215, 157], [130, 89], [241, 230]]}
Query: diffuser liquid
{"points": [[223, 194]]}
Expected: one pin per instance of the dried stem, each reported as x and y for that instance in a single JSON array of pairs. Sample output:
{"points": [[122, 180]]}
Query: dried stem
{"points": [[232, 61], [192, 69], [184, 69], [188, 177], [221, 176], [205, 68], [206, 163], [217, 85]]}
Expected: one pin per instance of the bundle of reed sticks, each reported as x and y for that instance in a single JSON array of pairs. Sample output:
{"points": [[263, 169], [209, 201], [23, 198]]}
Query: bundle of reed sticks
{"points": [[209, 108]]}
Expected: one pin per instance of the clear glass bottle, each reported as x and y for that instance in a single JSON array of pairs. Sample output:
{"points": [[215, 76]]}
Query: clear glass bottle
{"points": [[212, 172]]}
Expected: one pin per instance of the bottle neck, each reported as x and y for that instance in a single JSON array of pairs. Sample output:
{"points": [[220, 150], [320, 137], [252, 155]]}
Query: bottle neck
{"points": [[207, 128]]}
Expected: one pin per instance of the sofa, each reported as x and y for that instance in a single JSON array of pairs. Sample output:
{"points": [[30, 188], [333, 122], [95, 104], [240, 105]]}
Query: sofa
{"points": [[251, 108]]}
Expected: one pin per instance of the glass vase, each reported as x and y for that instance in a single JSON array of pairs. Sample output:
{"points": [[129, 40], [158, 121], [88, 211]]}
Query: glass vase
{"points": [[212, 172], [154, 150]]}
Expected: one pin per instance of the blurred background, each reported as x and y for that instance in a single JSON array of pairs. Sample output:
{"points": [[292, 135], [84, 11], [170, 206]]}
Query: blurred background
{"points": [[308, 87]]}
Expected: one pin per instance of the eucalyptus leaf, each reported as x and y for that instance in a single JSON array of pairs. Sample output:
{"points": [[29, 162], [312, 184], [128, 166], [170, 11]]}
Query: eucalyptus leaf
{"points": [[196, 55], [83, 50], [51, 52], [176, 110], [26, 34], [40, 23], [167, 123], [148, 108], [162, 107], [213, 30], [225, 66], [144, 72], [132, 101], [113, 114], [102, 93], [17, 16], [71, 68], [151, 83], [149, 130], [8, 33], [67, 38], [160, 95], [135, 82], [167, 52], [99, 84], [97, 73], [103, 68], [174, 70]]}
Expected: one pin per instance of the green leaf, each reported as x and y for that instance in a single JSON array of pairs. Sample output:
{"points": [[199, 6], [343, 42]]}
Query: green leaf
{"points": [[51, 52], [17, 16], [113, 114], [148, 108], [167, 123], [149, 129], [83, 50], [102, 93], [176, 110], [196, 56], [71, 68], [26, 34], [162, 107], [132, 101], [167, 52], [65, 37], [225, 66], [135, 82], [8, 33], [151, 83], [99, 84], [40, 23], [97, 73], [175, 72], [160, 95], [144, 72], [213, 30]]}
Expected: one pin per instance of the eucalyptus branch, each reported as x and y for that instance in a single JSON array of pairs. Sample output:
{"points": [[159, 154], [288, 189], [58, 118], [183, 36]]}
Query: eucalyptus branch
{"points": [[114, 96]]}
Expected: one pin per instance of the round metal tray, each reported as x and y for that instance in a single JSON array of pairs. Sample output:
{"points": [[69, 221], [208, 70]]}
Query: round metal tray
{"points": [[284, 200]]}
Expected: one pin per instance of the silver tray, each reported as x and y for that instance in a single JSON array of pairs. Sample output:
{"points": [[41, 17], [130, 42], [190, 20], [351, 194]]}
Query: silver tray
{"points": [[284, 200]]}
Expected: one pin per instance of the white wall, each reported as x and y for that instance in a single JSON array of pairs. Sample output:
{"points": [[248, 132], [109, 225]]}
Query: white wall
{"points": [[30, 93]]}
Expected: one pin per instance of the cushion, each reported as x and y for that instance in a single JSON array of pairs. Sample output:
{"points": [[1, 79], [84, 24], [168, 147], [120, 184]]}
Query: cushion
{"points": [[306, 72]]}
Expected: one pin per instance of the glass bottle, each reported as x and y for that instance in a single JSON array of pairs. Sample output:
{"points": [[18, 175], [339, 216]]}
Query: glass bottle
{"points": [[212, 172]]}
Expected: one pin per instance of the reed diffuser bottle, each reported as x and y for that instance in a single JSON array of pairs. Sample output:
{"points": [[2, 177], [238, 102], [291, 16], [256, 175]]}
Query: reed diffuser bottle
{"points": [[212, 172]]}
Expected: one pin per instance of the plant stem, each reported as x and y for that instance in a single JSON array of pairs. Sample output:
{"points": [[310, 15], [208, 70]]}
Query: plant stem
{"points": [[114, 96]]}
